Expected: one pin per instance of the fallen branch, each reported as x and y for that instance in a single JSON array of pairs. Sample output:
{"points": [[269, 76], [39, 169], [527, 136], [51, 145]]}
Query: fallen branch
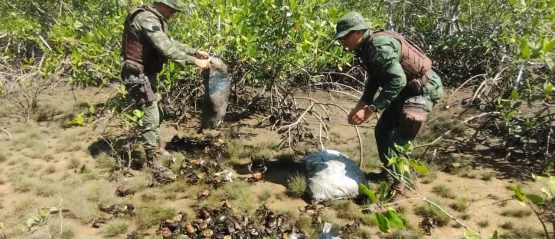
{"points": [[8, 133], [461, 86], [495, 113]]}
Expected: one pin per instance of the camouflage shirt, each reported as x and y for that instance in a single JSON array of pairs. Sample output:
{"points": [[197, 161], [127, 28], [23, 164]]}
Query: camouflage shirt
{"points": [[149, 25], [381, 58]]}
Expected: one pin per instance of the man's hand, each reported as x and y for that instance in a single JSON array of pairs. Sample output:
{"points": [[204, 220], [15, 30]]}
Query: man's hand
{"points": [[202, 55], [359, 115], [203, 64]]}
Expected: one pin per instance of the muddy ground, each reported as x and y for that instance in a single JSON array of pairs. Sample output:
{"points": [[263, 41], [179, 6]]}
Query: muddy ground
{"points": [[46, 164]]}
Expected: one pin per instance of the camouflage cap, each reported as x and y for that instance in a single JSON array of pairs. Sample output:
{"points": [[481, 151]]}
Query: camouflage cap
{"points": [[352, 21], [174, 4]]}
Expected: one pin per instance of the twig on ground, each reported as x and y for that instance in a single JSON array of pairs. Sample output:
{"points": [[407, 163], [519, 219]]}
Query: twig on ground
{"points": [[8, 133], [495, 113]]}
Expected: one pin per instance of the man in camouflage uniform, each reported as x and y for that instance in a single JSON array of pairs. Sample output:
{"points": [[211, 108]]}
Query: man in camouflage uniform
{"points": [[146, 46], [382, 55]]}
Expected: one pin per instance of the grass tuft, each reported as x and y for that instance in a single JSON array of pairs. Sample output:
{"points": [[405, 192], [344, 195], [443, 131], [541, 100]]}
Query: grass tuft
{"points": [[443, 191], [265, 195], [73, 163], [404, 234], [433, 213], [296, 185], [150, 214], [507, 225], [459, 205], [114, 228], [517, 213]]}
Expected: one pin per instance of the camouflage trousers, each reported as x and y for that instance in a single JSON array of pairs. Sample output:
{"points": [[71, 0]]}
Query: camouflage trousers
{"points": [[150, 128], [387, 129]]}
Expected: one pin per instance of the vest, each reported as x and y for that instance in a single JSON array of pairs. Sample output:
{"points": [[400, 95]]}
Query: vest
{"points": [[136, 48]]}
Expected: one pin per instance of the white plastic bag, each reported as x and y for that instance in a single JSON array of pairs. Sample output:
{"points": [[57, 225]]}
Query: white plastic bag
{"points": [[327, 232], [332, 175]]}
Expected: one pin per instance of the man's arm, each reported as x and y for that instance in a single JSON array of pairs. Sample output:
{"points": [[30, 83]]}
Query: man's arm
{"points": [[385, 58], [184, 47], [369, 91], [152, 30]]}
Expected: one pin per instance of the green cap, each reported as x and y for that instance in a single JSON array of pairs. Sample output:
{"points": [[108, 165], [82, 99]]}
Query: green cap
{"points": [[174, 4], [352, 21]]}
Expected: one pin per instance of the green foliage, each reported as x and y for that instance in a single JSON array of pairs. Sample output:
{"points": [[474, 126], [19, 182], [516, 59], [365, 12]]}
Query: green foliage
{"points": [[387, 218], [468, 234]]}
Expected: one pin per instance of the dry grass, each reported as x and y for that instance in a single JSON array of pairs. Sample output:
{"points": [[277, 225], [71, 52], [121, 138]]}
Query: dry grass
{"points": [[404, 234], [22, 186], [523, 233], [45, 189], [487, 176], [483, 223], [433, 213], [236, 193], [82, 199], [507, 225], [265, 195], [73, 163], [48, 157], [114, 228], [443, 191], [22, 208], [517, 213], [459, 205], [430, 177], [49, 170], [67, 232], [150, 214], [104, 161], [3, 158]]}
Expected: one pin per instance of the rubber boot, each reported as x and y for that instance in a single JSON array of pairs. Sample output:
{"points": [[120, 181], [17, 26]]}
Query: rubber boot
{"points": [[381, 176], [398, 187], [153, 163], [159, 149]]}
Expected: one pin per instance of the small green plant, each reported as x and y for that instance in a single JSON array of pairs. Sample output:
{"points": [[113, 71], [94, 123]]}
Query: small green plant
{"points": [[83, 118], [443, 191], [42, 217], [386, 216], [459, 205], [296, 185]]}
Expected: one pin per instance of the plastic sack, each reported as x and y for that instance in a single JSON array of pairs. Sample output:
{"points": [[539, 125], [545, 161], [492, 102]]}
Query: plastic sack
{"points": [[332, 175], [216, 94], [327, 232]]}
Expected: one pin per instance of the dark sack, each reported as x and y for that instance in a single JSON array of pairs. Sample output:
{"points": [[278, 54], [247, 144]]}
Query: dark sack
{"points": [[413, 117], [216, 94]]}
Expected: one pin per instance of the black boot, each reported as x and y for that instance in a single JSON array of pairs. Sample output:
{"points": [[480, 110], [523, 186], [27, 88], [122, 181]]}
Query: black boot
{"points": [[377, 177]]}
